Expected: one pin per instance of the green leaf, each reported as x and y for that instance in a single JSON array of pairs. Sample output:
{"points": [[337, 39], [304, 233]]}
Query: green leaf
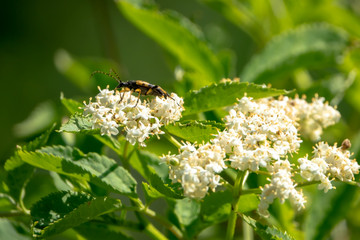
{"points": [[8, 231], [225, 94], [306, 46], [18, 172], [239, 14], [163, 188], [59, 211], [147, 164], [216, 207], [158, 189], [328, 209], [151, 193], [266, 232], [78, 123], [248, 202], [78, 70], [98, 169], [179, 36], [187, 210], [195, 131], [71, 105], [96, 231]]}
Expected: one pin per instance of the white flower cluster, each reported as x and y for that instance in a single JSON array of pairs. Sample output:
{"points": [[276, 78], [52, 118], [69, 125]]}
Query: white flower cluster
{"points": [[140, 119], [257, 133], [313, 117], [196, 168], [328, 163], [282, 187]]}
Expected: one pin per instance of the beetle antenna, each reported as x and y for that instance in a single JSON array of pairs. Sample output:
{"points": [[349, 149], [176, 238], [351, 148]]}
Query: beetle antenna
{"points": [[116, 77]]}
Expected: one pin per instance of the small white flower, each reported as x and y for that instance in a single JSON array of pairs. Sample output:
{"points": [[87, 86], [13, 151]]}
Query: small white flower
{"points": [[329, 162], [281, 186], [258, 132], [196, 168], [113, 109]]}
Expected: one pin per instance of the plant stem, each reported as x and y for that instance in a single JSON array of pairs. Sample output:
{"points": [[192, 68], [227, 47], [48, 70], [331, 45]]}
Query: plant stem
{"points": [[172, 139], [237, 191], [172, 228], [125, 160], [11, 214]]}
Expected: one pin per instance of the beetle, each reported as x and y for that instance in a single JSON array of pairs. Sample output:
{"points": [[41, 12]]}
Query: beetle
{"points": [[138, 86]]}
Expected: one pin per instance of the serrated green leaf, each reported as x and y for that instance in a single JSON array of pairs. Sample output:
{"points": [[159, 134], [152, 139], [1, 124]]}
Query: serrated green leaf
{"points": [[71, 105], [79, 123], [96, 231], [179, 36], [151, 193], [98, 169], [306, 46], [195, 131], [163, 188], [266, 232], [147, 164], [19, 172], [187, 210], [328, 209], [225, 94], [59, 211]]}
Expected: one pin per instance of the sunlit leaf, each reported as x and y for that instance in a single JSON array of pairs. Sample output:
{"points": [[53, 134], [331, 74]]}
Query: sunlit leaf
{"points": [[308, 46], [177, 35], [225, 94], [195, 131], [92, 167], [266, 232], [62, 210]]}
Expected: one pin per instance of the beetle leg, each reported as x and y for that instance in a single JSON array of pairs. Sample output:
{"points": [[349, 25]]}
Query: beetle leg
{"points": [[139, 92]]}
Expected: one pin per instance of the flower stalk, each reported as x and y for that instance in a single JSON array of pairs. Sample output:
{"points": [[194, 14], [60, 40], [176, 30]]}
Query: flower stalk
{"points": [[237, 191]]}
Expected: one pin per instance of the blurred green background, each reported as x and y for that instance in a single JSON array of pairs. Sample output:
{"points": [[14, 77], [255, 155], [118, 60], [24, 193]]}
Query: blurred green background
{"points": [[33, 32], [41, 41]]}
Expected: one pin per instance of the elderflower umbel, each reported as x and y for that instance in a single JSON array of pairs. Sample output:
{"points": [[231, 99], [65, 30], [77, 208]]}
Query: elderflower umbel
{"points": [[282, 187], [257, 133], [313, 117], [196, 168], [328, 163], [140, 119]]}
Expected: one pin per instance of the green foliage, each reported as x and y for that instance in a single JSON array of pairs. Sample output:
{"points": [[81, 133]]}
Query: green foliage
{"points": [[171, 30], [225, 94], [195, 131], [95, 231], [19, 172], [62, 210], [308, 46], [187, 210], [92, 167], [79, 124], [329, 209], [266, 232]]}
